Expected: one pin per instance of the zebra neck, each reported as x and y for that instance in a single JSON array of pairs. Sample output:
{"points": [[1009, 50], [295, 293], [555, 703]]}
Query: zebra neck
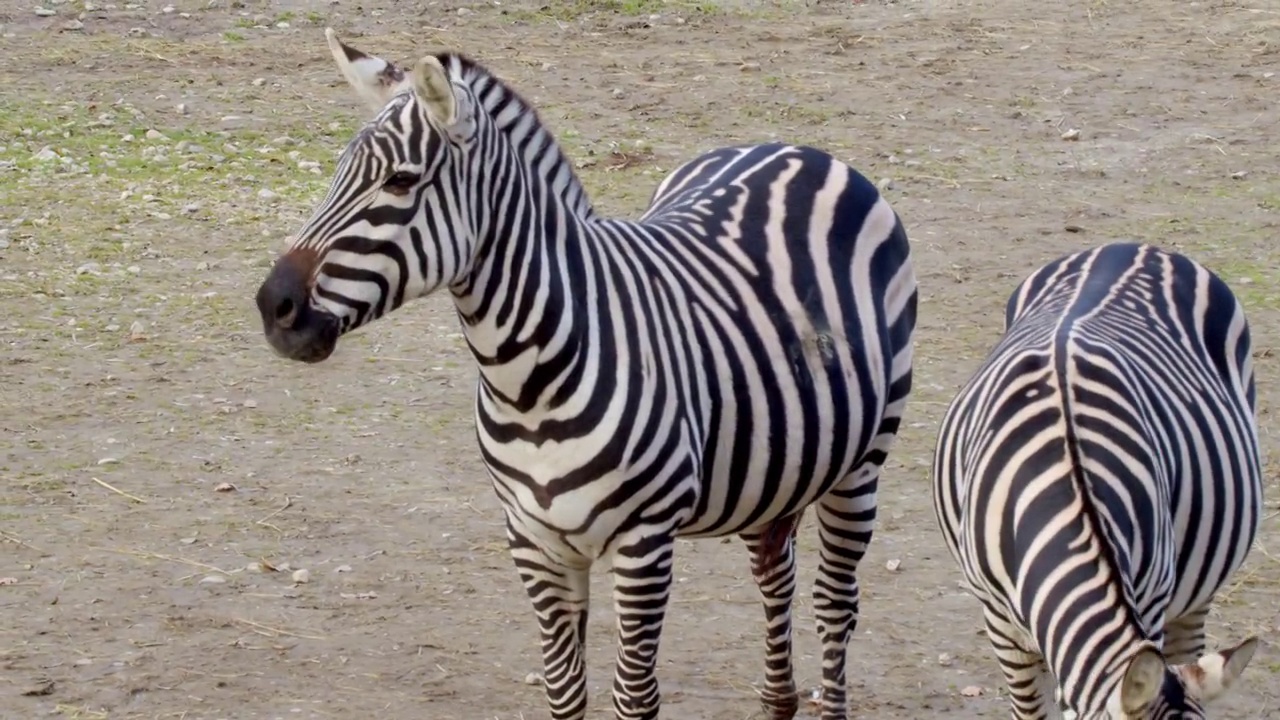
{"points": [[526, 319]]}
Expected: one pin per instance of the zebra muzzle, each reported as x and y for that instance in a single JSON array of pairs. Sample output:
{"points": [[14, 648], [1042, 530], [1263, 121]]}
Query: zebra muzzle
{"points": [[294, 328]]}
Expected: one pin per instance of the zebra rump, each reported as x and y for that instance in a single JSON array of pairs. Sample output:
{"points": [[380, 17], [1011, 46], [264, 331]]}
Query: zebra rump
{"points": [[1098, 480]]}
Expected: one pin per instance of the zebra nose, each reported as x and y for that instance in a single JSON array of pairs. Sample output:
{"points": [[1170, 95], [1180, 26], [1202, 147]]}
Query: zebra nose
{"points": [[282, 298]]}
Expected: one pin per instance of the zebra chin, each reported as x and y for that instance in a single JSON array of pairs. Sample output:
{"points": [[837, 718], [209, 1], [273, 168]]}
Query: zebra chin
{"points": [[311, 339]]}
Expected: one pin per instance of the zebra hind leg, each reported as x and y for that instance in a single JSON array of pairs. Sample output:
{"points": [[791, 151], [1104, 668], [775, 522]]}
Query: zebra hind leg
{"points": [[846, 520], [1031, 685], [642, 577], [773, 568], [561, 599]]}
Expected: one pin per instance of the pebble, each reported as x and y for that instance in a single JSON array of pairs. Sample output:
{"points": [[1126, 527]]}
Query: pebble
{"points": [[267, 194], [181, 108], [1071, 135], [212, 580], [342, 569], [154, 134], [533, 678], [46, 153], [301, 575], [45, 12], [259, 82], [885, 184]]}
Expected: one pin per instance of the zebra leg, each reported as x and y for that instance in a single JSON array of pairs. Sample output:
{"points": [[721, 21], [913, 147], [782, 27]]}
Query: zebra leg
{"points": [[846, 519], [642, 576], [1025, 672], [774, 569], [560, 593], [1184, 640]]}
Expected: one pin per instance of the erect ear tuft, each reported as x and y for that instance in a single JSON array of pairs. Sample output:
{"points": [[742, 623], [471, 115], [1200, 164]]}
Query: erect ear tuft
{"points": [[434, 91], [375, 80]]}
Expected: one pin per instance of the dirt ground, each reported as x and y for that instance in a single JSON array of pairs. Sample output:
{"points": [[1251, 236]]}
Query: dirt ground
{"points": [[163, 474]]}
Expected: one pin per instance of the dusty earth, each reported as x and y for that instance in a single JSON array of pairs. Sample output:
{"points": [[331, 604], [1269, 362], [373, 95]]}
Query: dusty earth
{"points": [[164, 475]]}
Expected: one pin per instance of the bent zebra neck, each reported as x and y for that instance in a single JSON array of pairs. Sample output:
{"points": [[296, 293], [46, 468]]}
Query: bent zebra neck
{"points": [[523, 305]]}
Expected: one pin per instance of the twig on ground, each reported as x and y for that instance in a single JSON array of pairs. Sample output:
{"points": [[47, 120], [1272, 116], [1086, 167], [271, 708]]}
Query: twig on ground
{"points": [[118, 491], [269, 631]]}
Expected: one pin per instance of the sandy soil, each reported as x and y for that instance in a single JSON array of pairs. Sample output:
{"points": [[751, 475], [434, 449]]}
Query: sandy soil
{"points": [[131, 358]]}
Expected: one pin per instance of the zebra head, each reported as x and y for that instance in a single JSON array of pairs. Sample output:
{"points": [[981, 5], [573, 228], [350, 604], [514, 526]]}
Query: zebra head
{"points": [[1151, 689], [396, 223]]}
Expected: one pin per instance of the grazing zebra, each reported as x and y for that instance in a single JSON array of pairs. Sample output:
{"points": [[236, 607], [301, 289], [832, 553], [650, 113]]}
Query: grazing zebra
{"points": [[741, 352], [1099, 479]]}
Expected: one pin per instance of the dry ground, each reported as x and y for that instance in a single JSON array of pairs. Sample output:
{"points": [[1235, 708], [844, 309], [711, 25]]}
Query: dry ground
{"points": [[131, 357]]}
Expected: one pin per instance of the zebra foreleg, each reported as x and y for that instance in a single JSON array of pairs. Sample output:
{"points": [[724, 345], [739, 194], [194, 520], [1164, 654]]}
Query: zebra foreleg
{"points": [[642, 575], [1025, 672], [774, 569], [1184, 640], [846, 519], [561, 599]]}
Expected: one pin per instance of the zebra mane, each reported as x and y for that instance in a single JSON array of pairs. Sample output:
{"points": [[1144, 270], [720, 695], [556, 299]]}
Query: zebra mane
{"points": [[519, 120]]}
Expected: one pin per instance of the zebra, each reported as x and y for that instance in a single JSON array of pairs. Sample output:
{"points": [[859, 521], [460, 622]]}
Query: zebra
{"points": [[740, 353], [1098, 480]]}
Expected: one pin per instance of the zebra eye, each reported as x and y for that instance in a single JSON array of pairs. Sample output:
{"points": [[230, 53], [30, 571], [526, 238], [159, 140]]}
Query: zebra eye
{"points": [[401, 182]]}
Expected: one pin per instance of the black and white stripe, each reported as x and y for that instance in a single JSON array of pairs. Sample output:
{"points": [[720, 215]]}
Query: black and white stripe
{"points": [[1098, 480], [740, 353]]}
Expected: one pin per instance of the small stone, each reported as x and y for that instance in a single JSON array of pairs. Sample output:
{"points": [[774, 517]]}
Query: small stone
{"points": [[533, 678], [167, 9], [212, 580], [202, 266], [971, 691], [301, 576], [191, 209], [254, 567], [224, 487], [885, 184], [342, 569], [310, 166], [72, 25], [893, 565], [1240, 175], [618, 93], [46, 154], [8, 581], [282, 25], [181, 108], [133, 269], [266, 194], [45, 12], [108, 461], [1071, 135], [154, 134], [944, 660], [259, 82], [83, 661], [465, 11], [187, 541], [250, 403], [138, 32]]}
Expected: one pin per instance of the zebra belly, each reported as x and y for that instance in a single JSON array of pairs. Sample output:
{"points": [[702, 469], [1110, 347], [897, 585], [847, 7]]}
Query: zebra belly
{"points": [[783, 438]]}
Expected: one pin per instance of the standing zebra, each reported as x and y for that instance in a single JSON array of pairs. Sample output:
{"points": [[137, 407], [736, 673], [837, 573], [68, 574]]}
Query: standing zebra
{"points": [[1099, 479], [741, 352]]}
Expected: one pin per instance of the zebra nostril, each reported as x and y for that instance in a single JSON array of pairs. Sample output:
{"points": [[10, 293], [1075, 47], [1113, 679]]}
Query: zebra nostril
{"points": [[286, 313]]}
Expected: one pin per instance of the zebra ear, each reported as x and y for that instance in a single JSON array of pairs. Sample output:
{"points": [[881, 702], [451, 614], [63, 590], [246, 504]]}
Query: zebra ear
{"points": [[375, 80], [1142, 681], [434, 90], [1212, 674]]}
